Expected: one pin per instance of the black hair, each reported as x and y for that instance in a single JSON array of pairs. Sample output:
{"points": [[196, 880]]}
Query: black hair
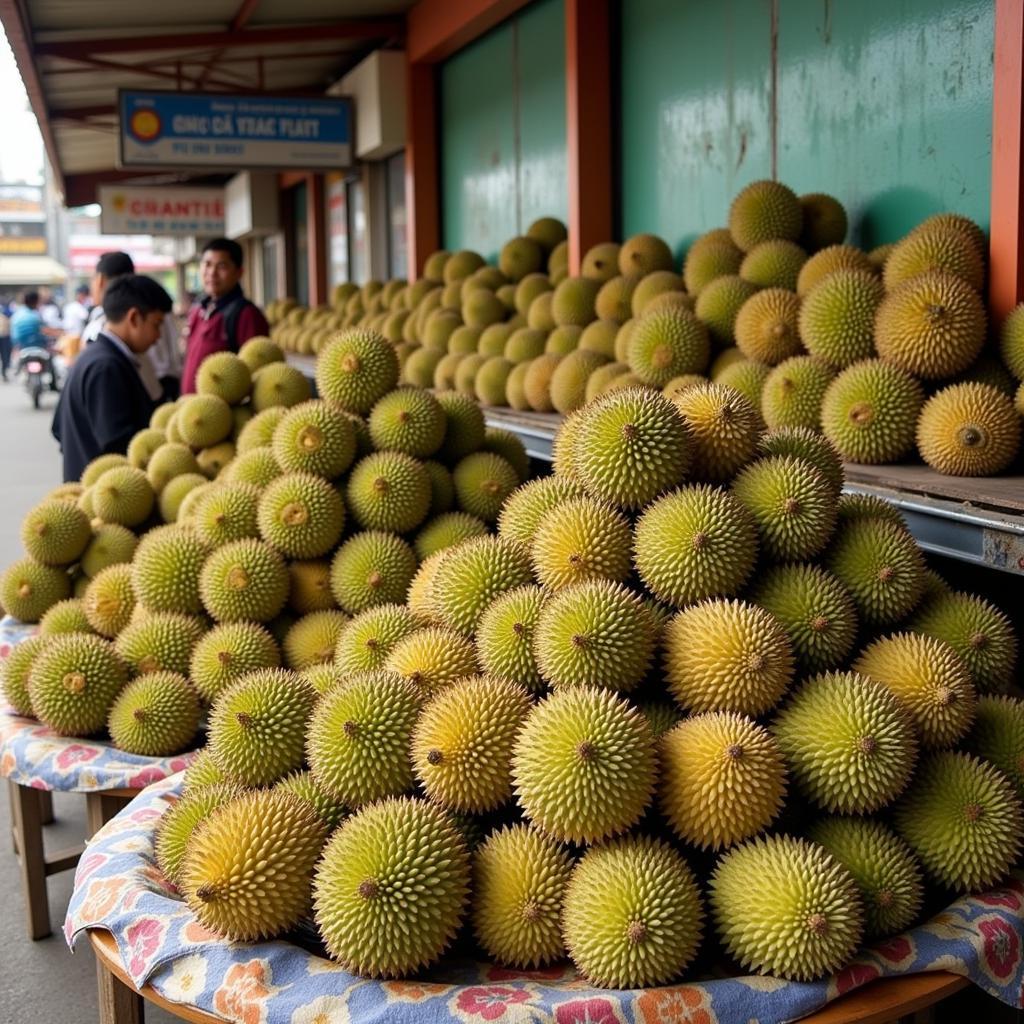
{"points": [[31, 299], [134, 291], [82, 289], [233, 249], [115, 264]]}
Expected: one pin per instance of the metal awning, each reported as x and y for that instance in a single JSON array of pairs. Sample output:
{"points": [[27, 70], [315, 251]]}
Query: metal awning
{"points": [[75, 56], [29, 270]]}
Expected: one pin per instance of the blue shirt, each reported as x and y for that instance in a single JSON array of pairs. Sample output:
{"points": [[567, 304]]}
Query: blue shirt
{"points": [[27, 328]]}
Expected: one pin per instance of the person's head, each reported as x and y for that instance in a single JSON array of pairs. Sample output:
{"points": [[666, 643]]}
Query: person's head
{"points": [[109, 267], [134, 306], [82, 292], [30, 299], [220, 266]]}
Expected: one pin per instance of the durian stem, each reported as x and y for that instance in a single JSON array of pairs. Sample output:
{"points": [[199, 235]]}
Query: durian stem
{"points": [[369, 888]]}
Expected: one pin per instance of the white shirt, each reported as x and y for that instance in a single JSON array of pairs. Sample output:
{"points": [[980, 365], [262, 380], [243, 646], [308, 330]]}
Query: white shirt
{"points": [[162, 360], [76, 316]]}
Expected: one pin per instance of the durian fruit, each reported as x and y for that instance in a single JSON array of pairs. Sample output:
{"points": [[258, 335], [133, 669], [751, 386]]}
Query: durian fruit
{"points": [[814, 609], [584, 765], [978, 631], [203, 420], [29, 589], [367, 640], [212, 460], [432, 659], [181, 819], [869, 412], [519, 880], [259, 431], [723, 779], [537, 382], [490, 383], [420, 367], [792, 393], [15, 670], [174, 494], [766, 326], [462, 744], [483, 481], [442, 488], [528, 288], [968, 430], [155, 715], [824, 221], [74, 680], [371, 568], [633, 914], [258, 725], [99, 465], [357, 742], [109, 600], [837, 317], [123, 495], [229, 652], [809, 445], [963, 820], [601, 261], [301, 515], [572, 301], [465, 427], [848, 741], [614, 299], [694, 543], [804, 917], [225, 375], [831, 260], [165, 570], [581, 539], [527, 505], [859, 506], [224, 876], [930, 679], [202, 772], [594, 633], [881, 566], [259, 351], [712, 255], [747, 378], [504, 636], [313, 638], [932, 325], [65, 617], [160, 642], [303, 786], [1011, 342], [446, 531], [355, 369], [322, 676], [55, 533], [762, 212], [110, 544], [630, 447], [257, 467], [773, 264], [170, 461], [935, 247], [313, 437], [792, 504], [472, 575], [510, 447], [228, 512], [391, 888], [886, 872], [244, 580], [644, 254], [524, 345], [998, 737], [569, 381], [727, 655], [666, 343], [723, 428], [547, 232], [719, 303], [143, 445], [461, 264]]}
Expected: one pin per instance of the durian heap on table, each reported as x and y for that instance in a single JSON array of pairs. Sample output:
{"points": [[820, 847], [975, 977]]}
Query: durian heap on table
{"points": [[688, 700]]}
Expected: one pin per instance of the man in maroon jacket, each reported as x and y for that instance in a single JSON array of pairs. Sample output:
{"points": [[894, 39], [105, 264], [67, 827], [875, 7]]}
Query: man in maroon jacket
{"points": [[224, 319]]}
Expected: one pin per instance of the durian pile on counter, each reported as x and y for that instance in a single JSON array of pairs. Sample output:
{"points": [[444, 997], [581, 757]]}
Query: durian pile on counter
{"points": [[887, 352], [246, 504]]}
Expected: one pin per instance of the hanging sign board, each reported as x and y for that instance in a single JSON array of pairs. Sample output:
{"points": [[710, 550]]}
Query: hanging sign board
{"points": [[224, 132], [161, 210]]}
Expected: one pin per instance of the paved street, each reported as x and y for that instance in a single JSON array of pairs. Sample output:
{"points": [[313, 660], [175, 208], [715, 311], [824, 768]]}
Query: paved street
{"points": [[41, 981]]}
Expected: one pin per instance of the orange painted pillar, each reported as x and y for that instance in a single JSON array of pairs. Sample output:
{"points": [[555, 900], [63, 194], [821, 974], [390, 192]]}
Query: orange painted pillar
{"points": [[422, 166], [589, 125], [1006, 245]]}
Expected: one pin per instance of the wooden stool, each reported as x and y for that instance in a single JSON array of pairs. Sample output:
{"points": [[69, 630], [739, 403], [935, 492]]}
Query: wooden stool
{"points": [[31, 809], [904, 1000]]}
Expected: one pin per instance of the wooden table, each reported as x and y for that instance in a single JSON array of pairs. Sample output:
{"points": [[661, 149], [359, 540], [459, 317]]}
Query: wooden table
{"points": [[905, 1000], [31, 809]]}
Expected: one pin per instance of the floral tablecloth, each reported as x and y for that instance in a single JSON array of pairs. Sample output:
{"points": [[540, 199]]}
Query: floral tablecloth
{"points": [[32, 755], [118, 887]]}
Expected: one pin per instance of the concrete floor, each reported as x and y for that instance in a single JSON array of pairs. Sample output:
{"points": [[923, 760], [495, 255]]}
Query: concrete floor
{"points": [[39, 981]]}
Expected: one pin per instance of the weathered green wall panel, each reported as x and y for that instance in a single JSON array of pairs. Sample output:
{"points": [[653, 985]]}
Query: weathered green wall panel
{"points": [[888, 104], [695, 111], [885, 103], [503, 151]]}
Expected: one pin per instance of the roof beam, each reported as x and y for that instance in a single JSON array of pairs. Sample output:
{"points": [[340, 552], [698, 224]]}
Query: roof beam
{"points": [[151, 71], [19, 35], [437, 28], [352, 28], [238, 22]]}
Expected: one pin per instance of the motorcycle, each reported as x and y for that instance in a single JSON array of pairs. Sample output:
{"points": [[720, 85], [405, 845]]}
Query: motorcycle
{"points": [[37, 365]]}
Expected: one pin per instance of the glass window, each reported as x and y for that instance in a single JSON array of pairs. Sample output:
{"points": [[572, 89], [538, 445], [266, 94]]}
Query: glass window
{"points": [[337, 231], [300, 243], [269, 261], [359, 252], [397, 236]]}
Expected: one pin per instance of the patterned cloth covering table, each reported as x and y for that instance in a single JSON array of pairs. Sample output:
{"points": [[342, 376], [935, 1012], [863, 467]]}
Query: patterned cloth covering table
{"points": [[164, 951], [36, 763]]}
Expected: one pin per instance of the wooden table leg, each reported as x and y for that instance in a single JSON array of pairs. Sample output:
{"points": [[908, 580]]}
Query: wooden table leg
{"points": [[119, 1004], [32, 859], [99, 809], [46, 806]]}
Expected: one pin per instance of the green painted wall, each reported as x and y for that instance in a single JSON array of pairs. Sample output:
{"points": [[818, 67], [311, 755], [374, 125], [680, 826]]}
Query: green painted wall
{"points": [[503, 155], [885, 103]]}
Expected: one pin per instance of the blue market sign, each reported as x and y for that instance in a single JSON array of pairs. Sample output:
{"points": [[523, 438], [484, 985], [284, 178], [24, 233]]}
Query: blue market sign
{"points": [[213, 130]]}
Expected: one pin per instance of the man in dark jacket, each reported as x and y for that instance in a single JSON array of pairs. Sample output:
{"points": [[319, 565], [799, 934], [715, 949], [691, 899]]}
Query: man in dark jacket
{"points": [[224, 319], [104, 401]]}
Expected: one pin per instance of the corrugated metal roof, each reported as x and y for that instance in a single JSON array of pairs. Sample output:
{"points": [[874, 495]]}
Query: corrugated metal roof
{"points": [[76, 15]]}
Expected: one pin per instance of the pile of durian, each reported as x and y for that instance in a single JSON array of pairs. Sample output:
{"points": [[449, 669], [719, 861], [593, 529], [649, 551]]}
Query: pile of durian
{"points": [[886, 352], [685, 702]]}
